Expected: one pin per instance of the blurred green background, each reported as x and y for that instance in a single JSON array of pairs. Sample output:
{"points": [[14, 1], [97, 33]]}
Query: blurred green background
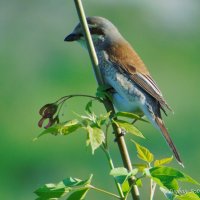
{"points": [[37, 67]]}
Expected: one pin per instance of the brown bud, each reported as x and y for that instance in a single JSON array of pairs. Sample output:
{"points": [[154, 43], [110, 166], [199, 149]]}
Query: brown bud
{"points": [[48, 110]]}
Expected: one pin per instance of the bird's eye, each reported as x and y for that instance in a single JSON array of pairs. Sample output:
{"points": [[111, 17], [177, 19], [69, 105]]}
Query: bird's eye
{"points": [[80, 35], [96, 31]]}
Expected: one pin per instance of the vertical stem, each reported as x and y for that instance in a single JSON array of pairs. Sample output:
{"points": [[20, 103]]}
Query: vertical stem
{"points": [[112, 167], [108, 104], [152, 189]]}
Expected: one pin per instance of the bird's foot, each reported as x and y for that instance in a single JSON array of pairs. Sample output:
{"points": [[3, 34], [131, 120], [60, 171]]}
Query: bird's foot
{"points": [[105, 91]]}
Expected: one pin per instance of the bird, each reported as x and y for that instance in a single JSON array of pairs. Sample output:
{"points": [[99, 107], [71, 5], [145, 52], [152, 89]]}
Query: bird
{"points": [[134, 89]]}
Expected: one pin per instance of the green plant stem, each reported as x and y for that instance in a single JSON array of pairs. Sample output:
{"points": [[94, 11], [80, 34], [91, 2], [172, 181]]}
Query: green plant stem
{"points": [[104, 191], [107, 153], [107, 103], [152, 186], [62, 99], [152, 189]]}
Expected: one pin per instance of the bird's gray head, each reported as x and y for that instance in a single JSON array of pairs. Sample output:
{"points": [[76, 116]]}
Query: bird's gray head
{"points": [[101, 29]]}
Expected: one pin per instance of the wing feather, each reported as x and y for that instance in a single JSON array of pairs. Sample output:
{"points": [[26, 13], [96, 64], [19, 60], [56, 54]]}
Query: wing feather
{"points": [[127, 61], [149, 85]]}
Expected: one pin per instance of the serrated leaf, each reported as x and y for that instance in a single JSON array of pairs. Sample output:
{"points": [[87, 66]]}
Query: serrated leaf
{"points": [[188, 196], [78, 195], [95, 137], [101, 120], [128, 127], [125, 187], [166, 176], [69, 127], [74, 182], [63, 128], [52, 130], [130, 116], [139, 182], [162, 161], [168, 194], [55, 191], [141, 167], [189, 179], [143, 153], [119, 171], [49, 191], [90, 117], [121, 174], [71, 182], [89, 106]]}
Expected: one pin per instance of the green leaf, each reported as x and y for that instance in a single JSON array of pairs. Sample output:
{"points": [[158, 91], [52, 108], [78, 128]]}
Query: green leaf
{"points": [[74, 182], [162, 161], [189, 179], [101, 120], [121, 174], [128, 127], [69, 127], [143, 153], [125, 187], [52, 130], [89, 106], [95, 137], [71, 182], [197, 192], [49, 191], [166, 176], [139, 182], [102, 92], [119, 171], [141, 167], [188, 196], [168, 194], [62, 128], [90, 117], [78, 195], [55, 191], [130, 116]]}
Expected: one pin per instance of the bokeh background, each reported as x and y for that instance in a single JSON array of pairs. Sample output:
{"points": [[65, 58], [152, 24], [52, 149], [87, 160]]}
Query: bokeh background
{"points": [[38, 67]]}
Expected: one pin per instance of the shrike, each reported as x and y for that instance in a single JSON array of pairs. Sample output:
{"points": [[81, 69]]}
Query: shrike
{"points": [[124, 71]]}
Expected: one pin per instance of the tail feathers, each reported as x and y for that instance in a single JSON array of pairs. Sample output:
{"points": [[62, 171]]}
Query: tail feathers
{"points": [[168, 139]]}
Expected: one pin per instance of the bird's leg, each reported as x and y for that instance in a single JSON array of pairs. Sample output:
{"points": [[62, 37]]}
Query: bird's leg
{"points": [[105, 91], [110, 90]]}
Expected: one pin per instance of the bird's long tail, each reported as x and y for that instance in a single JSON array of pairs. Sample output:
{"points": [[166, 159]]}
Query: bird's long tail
{"points": [[167, 137]]}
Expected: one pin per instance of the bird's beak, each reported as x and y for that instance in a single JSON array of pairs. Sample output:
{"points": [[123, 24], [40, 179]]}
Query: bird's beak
{"points": [[72, 37]]}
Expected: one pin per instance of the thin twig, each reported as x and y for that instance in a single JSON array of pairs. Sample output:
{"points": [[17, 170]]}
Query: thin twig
{"points": [[152, 189], [78, 95], [107, 103], [104, 191], [107, 153]]}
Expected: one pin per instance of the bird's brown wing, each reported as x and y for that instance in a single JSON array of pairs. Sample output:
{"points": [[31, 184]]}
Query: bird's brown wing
{"points": [[149, 85], [127, 61]]}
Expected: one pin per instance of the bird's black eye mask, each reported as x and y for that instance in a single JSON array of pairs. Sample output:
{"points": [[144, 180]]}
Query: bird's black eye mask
{"points": [[95, 30]]}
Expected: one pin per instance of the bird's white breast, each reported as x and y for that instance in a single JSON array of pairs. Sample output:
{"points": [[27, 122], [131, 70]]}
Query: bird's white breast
{"points": [[128, 96]]}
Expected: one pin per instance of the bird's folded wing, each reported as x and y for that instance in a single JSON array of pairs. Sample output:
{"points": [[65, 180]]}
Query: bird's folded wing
{"points": [[149, 85], [141, 77], [126, 60]]}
